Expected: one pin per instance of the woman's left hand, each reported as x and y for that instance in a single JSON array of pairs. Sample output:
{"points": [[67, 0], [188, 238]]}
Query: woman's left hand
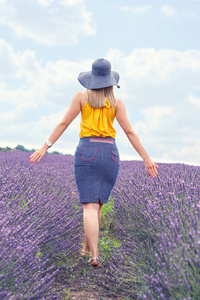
{"points": [[151, 167], [38, 154]]}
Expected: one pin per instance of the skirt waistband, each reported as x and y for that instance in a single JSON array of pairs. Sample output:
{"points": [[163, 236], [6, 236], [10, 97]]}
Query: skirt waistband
{"points": [[98, 139]]}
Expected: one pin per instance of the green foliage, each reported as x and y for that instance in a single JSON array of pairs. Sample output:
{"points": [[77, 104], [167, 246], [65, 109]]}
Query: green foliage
{"points": [[68, 294], [107, 215], [107, 208], [21, 148], [56, 152], [5, 149], [8, 148], [39, 254]]}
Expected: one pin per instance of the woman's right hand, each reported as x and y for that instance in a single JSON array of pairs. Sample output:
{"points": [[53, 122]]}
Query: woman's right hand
{"points": [[151, 167], [38, 154]]}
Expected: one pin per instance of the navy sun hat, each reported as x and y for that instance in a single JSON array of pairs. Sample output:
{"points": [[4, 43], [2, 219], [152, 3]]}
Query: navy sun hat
{"points": [[101, 76]]}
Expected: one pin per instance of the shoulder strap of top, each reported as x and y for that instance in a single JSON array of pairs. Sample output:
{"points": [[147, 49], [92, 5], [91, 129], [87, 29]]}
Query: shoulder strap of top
{"points": [[107, 103]]}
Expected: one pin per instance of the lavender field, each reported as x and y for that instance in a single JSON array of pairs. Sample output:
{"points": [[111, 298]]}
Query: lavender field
{"points": [[149, 245]]}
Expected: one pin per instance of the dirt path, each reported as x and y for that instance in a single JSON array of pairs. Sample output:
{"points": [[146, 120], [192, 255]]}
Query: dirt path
{"points": [[79, 281], [82, 281]]}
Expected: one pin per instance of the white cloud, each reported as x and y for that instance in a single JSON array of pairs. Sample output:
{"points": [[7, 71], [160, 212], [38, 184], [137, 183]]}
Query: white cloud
{"points": [[15, 64], [52, 22], [186, 154], [34, 98], [23, 77], [72, 2], [16, 113], [136, 10], [150, 67], [159, 86], [156, 117], [195, 101], [169, 11]]}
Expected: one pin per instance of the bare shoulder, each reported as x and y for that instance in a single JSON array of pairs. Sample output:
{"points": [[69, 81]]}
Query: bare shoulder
{"points": [[79, 99], [118, 104], [82, 97], [80, 94]]}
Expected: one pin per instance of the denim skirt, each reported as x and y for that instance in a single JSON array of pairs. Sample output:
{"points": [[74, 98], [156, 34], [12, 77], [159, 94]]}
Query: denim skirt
{"points": [[96, 168]]}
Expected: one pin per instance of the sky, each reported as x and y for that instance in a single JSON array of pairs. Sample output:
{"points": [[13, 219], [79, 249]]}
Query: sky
{"points": [[154, 45]]}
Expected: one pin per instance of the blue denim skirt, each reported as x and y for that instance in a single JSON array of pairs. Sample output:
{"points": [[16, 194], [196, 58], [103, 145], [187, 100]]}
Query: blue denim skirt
{"points": [[96, 168]]}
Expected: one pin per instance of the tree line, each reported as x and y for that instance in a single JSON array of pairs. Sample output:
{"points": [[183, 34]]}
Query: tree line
{"points": [[22, 148]]}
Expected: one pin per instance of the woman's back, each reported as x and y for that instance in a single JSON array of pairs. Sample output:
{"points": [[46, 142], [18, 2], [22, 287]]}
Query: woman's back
{"points": [[97, 121]]}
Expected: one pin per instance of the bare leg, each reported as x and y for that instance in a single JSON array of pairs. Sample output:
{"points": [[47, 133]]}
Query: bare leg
{"points": [[86, 245], [99, 213], [91, 226]]}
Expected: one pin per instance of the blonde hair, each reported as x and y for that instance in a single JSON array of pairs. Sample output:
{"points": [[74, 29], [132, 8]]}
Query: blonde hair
{"points": [[96, 97]]}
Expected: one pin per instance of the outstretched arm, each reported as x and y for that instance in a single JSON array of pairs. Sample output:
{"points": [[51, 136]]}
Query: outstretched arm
{"points": [[72, 113], [123, 121]]}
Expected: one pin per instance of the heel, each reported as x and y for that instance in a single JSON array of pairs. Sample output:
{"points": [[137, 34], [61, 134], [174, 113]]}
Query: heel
{"points": [[94, 261]]}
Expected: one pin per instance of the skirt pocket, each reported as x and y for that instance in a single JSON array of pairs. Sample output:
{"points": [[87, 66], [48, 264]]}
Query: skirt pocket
{"points": [[115, 155], [88, 153]]}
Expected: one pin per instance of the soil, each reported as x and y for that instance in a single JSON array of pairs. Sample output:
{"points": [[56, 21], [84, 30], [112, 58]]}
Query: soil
{"points": [[80, 280]]}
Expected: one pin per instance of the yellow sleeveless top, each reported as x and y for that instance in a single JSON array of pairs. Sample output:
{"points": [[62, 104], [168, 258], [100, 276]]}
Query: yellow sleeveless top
{"points": [[97, 121]]}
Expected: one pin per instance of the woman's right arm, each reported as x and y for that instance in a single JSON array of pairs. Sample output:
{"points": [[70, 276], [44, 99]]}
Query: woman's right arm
{"points": [[72, 113], [125, 124]]}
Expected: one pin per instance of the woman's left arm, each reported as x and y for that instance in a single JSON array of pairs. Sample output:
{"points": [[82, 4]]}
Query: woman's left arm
{"points": [[72, 113], [123, 121]]}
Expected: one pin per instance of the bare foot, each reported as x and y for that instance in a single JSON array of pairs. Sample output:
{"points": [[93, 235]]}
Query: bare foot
{"points": [[85, 251]]}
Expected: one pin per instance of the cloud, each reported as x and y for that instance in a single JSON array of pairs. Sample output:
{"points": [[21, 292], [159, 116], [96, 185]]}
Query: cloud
{"points": [[160, 89], [15, 66], [23, 77], [34, 98], [136, 10], [195, 101], [51, 22], [169, 11], [155, 69]]}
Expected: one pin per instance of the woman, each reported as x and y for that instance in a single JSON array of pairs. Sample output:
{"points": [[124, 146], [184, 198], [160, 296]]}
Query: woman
{"points": [[96, 159]]}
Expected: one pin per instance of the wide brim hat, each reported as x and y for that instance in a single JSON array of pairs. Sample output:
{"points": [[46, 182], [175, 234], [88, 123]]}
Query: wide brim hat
{"points": [[100, 76]]}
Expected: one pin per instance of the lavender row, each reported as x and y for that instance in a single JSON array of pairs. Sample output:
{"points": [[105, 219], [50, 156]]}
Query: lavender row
{"points": [[39, 223], [156, 222], [158, 225]]}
